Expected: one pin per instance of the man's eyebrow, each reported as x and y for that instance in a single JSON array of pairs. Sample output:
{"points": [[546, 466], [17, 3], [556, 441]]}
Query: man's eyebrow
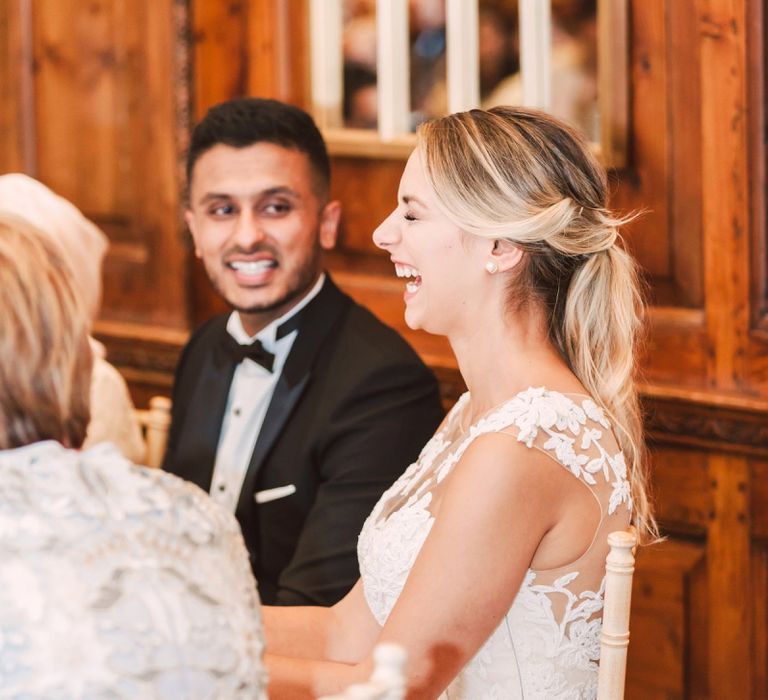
{"points": [[216, 196]]}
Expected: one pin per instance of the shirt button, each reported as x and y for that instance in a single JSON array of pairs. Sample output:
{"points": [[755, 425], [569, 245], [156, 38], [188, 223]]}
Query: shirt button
{"points": [[237, 411], [222, 487]]}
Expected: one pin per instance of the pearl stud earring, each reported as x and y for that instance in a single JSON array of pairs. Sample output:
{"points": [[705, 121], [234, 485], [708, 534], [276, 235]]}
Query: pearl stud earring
{"points": [[492, 267]]}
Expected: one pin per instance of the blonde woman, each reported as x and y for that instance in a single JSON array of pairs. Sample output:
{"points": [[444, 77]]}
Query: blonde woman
{"points": [[116, 581], [485, 560], [84, 245]]}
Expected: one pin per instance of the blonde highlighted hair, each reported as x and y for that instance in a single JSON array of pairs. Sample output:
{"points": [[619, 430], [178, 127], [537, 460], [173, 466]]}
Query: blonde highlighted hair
{"points": [[523, 176], [45, 358]]}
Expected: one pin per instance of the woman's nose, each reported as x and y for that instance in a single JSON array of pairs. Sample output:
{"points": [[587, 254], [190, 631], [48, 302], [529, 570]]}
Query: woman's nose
{"points": [[386, 233]]}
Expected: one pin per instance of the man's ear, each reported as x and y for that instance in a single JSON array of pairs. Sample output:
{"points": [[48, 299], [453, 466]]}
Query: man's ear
{"points": [[329, 224], [189, 217], [506, 255]]}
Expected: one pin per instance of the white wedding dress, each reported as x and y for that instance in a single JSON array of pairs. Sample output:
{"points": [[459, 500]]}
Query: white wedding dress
{"points": [[120, 582], [548, 644]]}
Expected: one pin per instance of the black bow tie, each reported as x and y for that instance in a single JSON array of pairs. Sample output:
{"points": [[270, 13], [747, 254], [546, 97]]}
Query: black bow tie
{"points": [[235, 352], [232, 351]]}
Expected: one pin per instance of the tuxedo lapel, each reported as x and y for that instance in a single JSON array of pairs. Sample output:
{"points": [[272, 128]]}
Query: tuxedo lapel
{"points": [[202, 426], [318, 319]]}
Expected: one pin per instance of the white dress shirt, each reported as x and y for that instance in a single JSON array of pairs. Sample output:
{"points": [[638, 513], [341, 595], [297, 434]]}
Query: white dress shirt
{"points": [[249, 396]]}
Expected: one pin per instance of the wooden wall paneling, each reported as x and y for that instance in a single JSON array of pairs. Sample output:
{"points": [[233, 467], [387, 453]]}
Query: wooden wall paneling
{"points": [[757, 358], [729, 579], [697, 647], [109, 134], [685, 157], [163, 125], [760, 616], [220, 45], [249, 47], [660, 612], [675, 348], [367, 190], [725, 190], [80, 79], [662, 182], [278, 36], [16, 107], [681, 487], [758, 500], [757, 38], [645, 186]]}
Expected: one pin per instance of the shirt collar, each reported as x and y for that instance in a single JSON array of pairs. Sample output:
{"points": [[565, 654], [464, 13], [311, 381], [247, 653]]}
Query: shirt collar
{"points": [[267, 334]]}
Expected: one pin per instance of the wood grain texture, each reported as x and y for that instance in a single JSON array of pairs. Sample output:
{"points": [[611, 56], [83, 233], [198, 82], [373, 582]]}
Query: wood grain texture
{"points": [[16, 132], [660, 598], [110, 126], [729, 579], [725, 190]]}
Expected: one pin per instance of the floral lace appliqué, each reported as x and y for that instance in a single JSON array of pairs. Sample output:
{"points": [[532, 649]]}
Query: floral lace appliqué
{"points": [[547, 646]]}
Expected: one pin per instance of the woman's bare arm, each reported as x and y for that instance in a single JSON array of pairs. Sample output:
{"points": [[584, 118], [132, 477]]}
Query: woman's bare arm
{"points": [[499, 502], [345, 632]]}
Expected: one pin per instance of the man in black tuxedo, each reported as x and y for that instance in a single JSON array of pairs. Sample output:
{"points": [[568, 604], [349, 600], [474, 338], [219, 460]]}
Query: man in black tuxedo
{"points": [[299, 408]]}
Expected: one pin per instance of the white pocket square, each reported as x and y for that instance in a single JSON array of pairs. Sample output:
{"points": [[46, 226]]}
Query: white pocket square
{"points": [[275, 493]]}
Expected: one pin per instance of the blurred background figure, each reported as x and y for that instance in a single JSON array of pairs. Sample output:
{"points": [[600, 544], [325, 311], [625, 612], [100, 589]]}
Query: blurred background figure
{"points": [[117, 581], [84, 246], [574, 61], [359, 50]]}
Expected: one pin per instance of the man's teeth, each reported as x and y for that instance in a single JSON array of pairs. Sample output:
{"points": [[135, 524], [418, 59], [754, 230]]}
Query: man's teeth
{"points": [[252, 267], [405, 270]]}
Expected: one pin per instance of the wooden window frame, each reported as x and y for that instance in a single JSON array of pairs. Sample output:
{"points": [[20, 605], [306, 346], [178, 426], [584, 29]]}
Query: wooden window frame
{"points": [[392, 139]]}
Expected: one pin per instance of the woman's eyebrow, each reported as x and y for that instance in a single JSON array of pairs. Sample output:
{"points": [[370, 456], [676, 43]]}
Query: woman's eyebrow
{"points": [[410, 199]]}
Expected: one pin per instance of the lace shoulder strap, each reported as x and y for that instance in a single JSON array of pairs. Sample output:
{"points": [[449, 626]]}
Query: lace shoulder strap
{"points": [[572, 433]]}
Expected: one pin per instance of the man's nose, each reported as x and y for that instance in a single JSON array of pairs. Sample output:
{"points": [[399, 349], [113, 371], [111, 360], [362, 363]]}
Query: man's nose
{"points": [[386, 234], [248, 230]]}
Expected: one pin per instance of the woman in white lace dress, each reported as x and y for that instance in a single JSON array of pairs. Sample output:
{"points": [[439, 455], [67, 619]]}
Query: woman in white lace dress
{"points": [[116, 581], [485, 560]]}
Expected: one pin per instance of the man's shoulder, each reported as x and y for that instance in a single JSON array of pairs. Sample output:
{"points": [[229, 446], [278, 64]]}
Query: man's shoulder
{"points": [[211, 328], [368, 338], [356, 335], [206, 334]]}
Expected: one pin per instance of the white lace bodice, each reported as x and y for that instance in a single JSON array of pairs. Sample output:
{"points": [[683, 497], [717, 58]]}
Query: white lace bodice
{"points": [[120, 582], [547, 646]]}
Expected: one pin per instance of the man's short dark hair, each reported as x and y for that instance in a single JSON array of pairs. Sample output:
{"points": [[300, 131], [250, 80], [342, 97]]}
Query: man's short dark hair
{"points": [[245, 121]]}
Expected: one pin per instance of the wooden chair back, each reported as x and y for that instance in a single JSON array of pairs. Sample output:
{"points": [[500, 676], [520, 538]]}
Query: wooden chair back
{"points": [[619, 567], [155, 422]]}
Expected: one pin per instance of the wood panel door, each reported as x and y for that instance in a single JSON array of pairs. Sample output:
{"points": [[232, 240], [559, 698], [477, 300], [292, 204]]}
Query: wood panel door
{"points": [[95, 105]]}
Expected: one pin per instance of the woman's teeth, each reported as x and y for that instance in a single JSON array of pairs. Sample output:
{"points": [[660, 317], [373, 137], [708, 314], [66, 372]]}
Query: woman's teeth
{"points": [[252, 267], [407, 271]]}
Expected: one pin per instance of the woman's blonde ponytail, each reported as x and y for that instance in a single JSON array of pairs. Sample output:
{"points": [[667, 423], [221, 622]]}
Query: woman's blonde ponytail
{"points": [[525, 177], [601, 325]]}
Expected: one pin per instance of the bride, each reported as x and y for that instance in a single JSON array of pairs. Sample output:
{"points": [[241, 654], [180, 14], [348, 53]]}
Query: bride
{"points": [[486, 559]]}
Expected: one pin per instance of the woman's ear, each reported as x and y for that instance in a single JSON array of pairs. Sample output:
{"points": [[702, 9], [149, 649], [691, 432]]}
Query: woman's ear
{"points": [[505, 255]]}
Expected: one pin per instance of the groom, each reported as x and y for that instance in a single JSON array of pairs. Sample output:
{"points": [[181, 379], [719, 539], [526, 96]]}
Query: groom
{"points": [[298, 409]]}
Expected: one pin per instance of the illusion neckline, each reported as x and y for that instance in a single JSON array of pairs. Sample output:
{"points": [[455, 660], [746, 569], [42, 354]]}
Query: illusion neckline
{"points": [[466, 397]]}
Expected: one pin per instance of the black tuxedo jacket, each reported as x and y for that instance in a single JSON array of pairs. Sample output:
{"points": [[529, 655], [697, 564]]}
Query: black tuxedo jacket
{"points": [[351, 410]]}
